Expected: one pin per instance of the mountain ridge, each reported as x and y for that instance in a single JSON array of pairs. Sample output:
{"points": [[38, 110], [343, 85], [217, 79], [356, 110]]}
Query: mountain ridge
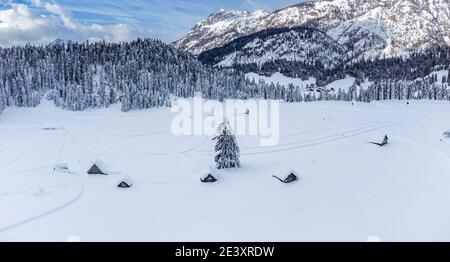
{"points": [[367, 28]]}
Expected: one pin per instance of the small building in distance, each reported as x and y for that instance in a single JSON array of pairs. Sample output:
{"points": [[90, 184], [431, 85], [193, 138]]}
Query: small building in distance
{"points": [[125, 182], [383, 143], [62, 168], [100, 168], [209, 175], [292, 176]]}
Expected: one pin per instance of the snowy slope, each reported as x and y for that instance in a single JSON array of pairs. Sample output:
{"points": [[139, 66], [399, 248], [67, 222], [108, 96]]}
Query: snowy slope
{"points": [[349, 190], [308, 46], [219, 28], [368, 28]]}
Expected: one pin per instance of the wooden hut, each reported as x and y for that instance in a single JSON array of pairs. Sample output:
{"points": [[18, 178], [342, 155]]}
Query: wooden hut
{"points": [[99, 168], [61, 168], [209, 175], [383, 143], [292, 176], [125, 182]]}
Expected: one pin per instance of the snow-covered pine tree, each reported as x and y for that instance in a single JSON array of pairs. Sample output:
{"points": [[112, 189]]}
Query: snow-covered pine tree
{"points": [[2, 99], [448, 76], [227, 149]]}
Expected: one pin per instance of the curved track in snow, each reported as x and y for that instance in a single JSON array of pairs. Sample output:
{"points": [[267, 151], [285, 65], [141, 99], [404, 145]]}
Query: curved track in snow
{"points": [[339, 203], [16, 158], [24, 171], [428, 148], [311, 142], [120, 149], [318, 139], [375, 124], [416, 188], [326, 129], [195, 147], [46, 213], [321, 141], [162, 131]]}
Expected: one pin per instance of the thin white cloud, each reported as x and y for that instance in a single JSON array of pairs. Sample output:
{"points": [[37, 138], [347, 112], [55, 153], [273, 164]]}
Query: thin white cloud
{"points": [[168, 20], [36, 3], [20, 24], [62, 14], [110, 20]]}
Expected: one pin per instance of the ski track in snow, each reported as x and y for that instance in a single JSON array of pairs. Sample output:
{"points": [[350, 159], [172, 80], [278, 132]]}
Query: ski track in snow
{"points": [[5, 190], [24, 171], [16, 158], [339, 203], [181, 141], [187, 151], [168, 150], [428, 148], [312, 142], [323, 130], [305, 141], [132, 135], [46, 213], [343, 137], [321, 138], [2, 147], [158, 182], [121, 149], [364, 199], [63, 143]]}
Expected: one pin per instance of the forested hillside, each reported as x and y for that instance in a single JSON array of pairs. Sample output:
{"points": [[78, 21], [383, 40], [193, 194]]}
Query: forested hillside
{"points": [[145, 73]]}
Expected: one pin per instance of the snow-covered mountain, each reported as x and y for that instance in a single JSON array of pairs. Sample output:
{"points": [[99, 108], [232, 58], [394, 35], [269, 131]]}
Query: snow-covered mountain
{"points": [[366, 28], [219, 29], [295, 51], [296, 44]]}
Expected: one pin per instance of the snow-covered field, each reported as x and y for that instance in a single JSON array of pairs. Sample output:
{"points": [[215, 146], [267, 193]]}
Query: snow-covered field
{"points": [[349, 190]]}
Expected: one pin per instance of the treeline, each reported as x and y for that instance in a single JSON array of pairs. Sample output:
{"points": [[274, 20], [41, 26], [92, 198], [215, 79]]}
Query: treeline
{"points": [[145, 73], [418, 64], [387, 89], [140, 74]]}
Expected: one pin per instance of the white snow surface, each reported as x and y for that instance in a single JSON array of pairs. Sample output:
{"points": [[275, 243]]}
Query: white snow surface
{"points": [[349, 190]]}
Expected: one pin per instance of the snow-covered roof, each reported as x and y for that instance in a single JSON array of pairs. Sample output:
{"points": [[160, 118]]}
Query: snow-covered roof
{"points": [[284, 172], [51, 126], [292, 172], [104, 167], [447, 134], [208, 171], [126, 179], [62, 167]]}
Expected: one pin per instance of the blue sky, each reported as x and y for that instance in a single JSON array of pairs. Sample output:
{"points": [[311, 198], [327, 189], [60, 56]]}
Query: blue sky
{"points": [[164, 19]]}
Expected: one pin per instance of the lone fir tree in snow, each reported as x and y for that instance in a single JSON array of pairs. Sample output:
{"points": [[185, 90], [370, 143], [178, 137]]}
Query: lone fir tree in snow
{"points": [[226, 148]]}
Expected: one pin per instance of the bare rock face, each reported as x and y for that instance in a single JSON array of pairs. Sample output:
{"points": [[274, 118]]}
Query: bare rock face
{"points": [[364, 28]]}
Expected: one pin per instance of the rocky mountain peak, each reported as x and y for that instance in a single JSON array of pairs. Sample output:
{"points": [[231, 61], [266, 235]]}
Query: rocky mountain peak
{"points": [[366, 27]]}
